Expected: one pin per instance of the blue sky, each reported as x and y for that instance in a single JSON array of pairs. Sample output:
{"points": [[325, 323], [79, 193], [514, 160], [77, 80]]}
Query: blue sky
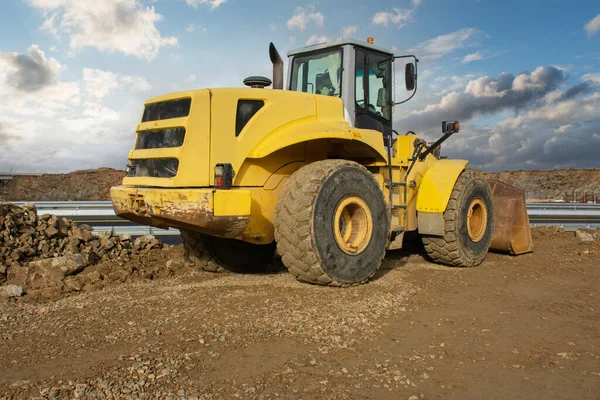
{"points": [[523, 77]]}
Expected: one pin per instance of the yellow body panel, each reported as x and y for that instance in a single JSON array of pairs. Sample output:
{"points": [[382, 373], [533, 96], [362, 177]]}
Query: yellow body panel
{"points": [[437, 185], [193, 154], [286, 119], [232, 203]]}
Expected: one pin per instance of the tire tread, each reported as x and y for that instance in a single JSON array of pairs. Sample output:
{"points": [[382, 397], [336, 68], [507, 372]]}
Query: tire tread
{"points": [[294, 231], [447, 249]]}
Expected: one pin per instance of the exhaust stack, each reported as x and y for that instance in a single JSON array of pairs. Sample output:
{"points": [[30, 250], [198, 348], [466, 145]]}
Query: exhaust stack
{"points": [[277, 67]]}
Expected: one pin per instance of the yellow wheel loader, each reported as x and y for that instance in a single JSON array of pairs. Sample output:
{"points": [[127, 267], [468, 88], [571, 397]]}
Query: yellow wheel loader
{"points": [[313, 172]]}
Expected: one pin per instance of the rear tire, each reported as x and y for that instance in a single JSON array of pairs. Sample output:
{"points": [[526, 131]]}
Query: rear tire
{"points": [[196, 253], [332, 224], [238, 256], [214, 254], [468, 224]]}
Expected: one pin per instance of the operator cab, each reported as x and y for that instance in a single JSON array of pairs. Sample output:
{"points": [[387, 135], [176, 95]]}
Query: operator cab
{"points": [[359, 73]]}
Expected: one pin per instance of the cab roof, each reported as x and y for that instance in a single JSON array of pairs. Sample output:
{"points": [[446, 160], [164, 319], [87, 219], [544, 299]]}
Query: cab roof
{"points": [[339, 42]]}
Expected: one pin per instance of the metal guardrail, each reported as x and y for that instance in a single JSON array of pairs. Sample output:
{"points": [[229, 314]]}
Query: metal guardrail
{"points": [[101, 216], [7, 176], [98, 214], [569, 216]]}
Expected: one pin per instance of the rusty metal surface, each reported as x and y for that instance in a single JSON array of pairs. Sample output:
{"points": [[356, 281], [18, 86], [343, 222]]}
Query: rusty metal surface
{"points": [[178, 211], [512, 231]]}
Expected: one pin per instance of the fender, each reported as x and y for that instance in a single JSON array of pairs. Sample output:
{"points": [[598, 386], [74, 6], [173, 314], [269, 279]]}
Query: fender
{"points": [[434, 193], [437, 184], [301, 131]]}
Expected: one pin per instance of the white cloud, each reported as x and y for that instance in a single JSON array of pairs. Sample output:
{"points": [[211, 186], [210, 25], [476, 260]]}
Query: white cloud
{"points": [[50, 124], [29, 85], [564, 67], [93, 116], [191, 28], [212, 3], [31, 72], [443, 84], [539, 80], [136, 84], [585, 109], [439, 46], [593, 77], [348, 31], [49, 25], [301, 18], [109, 25], [98, 83], [593, 26], [397, 16], [488, 96], [314, 39], [472, 57], [563, 128]]}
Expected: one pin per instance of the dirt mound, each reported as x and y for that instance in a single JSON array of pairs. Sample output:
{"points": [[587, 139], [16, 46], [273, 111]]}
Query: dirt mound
{"points": [[558, 184], [86, 185], [49, 256]]}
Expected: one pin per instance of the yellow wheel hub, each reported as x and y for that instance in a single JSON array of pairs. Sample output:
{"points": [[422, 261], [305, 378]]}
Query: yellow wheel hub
{"points": [[352, 225], [477, 219]]}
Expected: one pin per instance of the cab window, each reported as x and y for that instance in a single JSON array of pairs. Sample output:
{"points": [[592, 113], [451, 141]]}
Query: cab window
{"points": [[373, 78], [318, 73]]}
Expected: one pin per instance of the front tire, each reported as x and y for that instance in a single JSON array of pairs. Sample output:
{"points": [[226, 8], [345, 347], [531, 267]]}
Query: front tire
{"points": [[468, 224], [332, 224]]}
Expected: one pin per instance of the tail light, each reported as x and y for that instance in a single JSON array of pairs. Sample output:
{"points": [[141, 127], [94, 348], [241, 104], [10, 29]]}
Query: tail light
{"points": [[223, 176]]}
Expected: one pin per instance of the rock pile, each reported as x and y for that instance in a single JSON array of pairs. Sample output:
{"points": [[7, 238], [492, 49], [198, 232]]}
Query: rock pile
{"points": [[587, 235], [42, 251]]}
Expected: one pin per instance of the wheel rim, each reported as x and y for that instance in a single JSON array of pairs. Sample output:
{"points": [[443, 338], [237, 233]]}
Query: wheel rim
{"points": [[353, 225], [477, 219]]}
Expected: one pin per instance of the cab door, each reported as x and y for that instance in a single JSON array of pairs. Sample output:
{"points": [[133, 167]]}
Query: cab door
{"points": [[373, 101]]}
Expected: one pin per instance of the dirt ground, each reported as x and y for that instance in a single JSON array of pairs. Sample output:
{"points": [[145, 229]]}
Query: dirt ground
{"points": [[515, 327]]}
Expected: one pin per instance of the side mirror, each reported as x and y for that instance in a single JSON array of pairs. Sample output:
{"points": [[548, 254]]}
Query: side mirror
{"points": [[449, 127], [409, 76]]}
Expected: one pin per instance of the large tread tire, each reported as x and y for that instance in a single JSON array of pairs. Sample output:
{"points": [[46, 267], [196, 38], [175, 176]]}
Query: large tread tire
{"points": [[242, 257], [456, 248], [196, 253], [304, 218], [214, 254]]}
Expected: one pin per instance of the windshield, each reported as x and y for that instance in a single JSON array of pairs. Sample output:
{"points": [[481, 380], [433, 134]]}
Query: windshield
{"points": [[318, 73]]}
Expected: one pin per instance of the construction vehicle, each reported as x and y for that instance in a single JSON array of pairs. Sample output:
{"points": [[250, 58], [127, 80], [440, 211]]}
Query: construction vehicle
{"points": [[314, 172]]}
